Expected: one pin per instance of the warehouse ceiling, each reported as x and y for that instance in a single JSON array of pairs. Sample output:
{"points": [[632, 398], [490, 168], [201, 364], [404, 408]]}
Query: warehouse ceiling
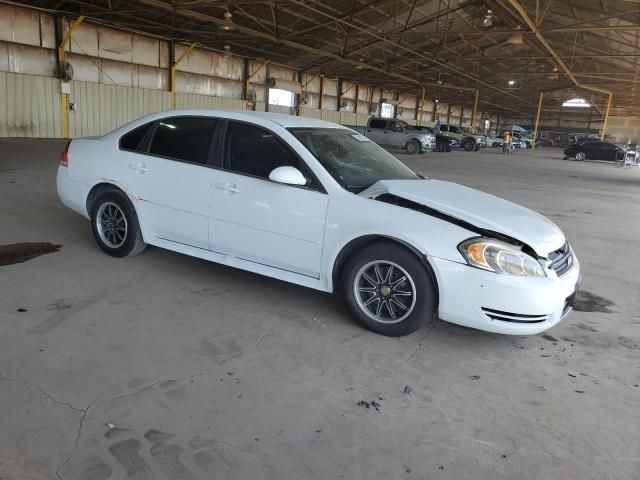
{"points": [[509, 50]]}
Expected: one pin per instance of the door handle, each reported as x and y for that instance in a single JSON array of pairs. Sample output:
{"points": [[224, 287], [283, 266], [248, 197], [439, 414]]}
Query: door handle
{"points": [[228, 187], [138, 167]]}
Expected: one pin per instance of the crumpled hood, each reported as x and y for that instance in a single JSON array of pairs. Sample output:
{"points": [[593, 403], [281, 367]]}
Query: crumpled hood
{"points": [[480, 209]]}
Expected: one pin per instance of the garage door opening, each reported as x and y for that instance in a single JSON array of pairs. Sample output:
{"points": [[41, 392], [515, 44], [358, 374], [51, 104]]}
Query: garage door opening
{"points": [[387, 110], [282, 98]]}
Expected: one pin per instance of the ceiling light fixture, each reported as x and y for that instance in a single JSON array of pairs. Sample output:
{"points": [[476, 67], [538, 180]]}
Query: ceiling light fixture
{"points": [[512, 82], [576, 102], [228, 23]]}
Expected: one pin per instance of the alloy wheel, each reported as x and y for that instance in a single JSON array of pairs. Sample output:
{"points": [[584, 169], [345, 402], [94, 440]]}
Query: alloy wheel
{"points": [[384, 291], [111, 224]]}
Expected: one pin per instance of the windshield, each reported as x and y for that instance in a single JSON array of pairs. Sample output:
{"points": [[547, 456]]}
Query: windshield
{"points": [[353, 160]]}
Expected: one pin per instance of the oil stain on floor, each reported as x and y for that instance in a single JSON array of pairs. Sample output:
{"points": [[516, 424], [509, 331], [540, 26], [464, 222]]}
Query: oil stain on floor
{"points": [[22, 252], [590, 302]]}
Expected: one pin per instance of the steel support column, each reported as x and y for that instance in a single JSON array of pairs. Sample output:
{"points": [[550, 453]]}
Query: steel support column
{"points": [[535, 130], [64, 97], [474, 114], [606, 118], [173, 73]]}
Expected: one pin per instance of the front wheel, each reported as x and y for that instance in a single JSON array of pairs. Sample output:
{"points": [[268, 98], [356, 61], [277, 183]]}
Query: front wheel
{"points": [[115, 224], [413, 147], [389, 290], [469, 145], [581, 156]]}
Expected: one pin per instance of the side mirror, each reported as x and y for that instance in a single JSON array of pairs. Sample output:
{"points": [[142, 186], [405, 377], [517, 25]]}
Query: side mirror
{"points": [[288, 176]]}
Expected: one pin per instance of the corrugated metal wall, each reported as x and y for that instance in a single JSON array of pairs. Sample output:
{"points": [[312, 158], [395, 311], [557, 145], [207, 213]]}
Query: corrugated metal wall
{"points": [[122, 75], [192, 100], [29, 106], [100, 108]]}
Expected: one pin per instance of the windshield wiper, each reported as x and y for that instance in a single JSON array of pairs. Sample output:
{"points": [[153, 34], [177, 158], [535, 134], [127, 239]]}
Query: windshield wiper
{"points": [[356, 188]]}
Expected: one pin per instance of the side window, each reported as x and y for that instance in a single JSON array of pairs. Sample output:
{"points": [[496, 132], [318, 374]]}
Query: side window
{"points": [[255, 151], [377, 123], [455, 130], [184, 138], [137, 139]]}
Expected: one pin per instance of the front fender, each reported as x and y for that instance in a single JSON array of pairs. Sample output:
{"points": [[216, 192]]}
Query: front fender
{"points": [[350, 217]]}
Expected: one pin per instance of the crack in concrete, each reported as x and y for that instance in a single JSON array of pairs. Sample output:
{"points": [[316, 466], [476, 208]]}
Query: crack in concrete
{"points": [[85, 412], [418, 346]]}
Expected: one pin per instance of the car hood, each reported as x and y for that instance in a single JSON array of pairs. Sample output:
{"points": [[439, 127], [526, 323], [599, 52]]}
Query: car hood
{"points": [[481, 210]]}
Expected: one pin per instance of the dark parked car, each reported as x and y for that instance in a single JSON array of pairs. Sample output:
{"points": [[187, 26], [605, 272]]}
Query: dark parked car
{"points": [[594, 150]]}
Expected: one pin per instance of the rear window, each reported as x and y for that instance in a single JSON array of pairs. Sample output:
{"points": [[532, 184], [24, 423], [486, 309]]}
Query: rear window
{"points": [[184, 138], [136, 139], [377, 123]]}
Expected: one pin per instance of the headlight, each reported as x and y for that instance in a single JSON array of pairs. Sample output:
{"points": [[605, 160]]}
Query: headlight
{"points": [[499, 257]]}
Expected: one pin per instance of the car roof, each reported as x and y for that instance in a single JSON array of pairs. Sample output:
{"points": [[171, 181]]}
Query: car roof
{"points": [[261, 118]]}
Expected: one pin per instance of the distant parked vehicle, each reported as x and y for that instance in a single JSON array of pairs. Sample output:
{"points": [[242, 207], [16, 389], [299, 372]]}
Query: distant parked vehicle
{"points": [[443, 143], [469, 141], [494, 142], [398, 134], [594, 150]]}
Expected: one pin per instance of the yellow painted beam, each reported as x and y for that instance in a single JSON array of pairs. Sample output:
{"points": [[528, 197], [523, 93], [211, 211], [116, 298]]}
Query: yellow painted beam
{"points": [[535, 130], [258, 70], [474, 114], [64, 97], [311, 80], [421, 109], [173, 73], [606, 118], [347, 90]]}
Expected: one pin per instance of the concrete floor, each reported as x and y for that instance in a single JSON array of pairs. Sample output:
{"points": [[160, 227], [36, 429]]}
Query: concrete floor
{"points": [[168, 367]]}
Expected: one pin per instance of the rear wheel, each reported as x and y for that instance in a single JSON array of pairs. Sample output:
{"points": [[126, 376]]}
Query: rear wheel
{"points": [[115, 224], [389, 290], [581, 156], [412, 147], [469, 145]]}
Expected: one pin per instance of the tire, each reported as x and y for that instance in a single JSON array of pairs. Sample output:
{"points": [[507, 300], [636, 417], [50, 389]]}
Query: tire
{"points": [[440, 147], [469, 145], [495, 145], [106, 211], [581, 156], [411, 311], [412, 147]]}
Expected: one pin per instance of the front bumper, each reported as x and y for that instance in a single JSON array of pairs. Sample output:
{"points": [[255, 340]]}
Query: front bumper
{"points": [[427, 145], [470, 296]]}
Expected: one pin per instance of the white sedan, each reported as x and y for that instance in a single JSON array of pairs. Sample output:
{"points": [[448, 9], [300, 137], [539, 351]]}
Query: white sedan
{"points": [[319, 205]]}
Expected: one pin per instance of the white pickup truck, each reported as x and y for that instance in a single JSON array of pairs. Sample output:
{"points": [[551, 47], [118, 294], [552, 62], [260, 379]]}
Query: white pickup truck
{"points": [[469, 141], [391, 133]]}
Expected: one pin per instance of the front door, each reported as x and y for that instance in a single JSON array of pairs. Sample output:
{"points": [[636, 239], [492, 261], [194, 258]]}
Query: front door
{"points": [[261, 221], [396, 138], [171, 181]]}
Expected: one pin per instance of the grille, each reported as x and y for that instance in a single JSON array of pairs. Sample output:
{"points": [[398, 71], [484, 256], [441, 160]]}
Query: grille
{"points": [[513, 317], [561, 260]]}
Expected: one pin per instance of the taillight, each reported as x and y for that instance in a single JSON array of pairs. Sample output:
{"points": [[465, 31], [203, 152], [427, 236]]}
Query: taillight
{"points": [[64, 157]]}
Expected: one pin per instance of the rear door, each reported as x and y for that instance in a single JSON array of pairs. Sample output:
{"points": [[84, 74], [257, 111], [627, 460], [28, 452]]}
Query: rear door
{"points": [[170, 178], [376, 130], [396, 138], [593, 150]]}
